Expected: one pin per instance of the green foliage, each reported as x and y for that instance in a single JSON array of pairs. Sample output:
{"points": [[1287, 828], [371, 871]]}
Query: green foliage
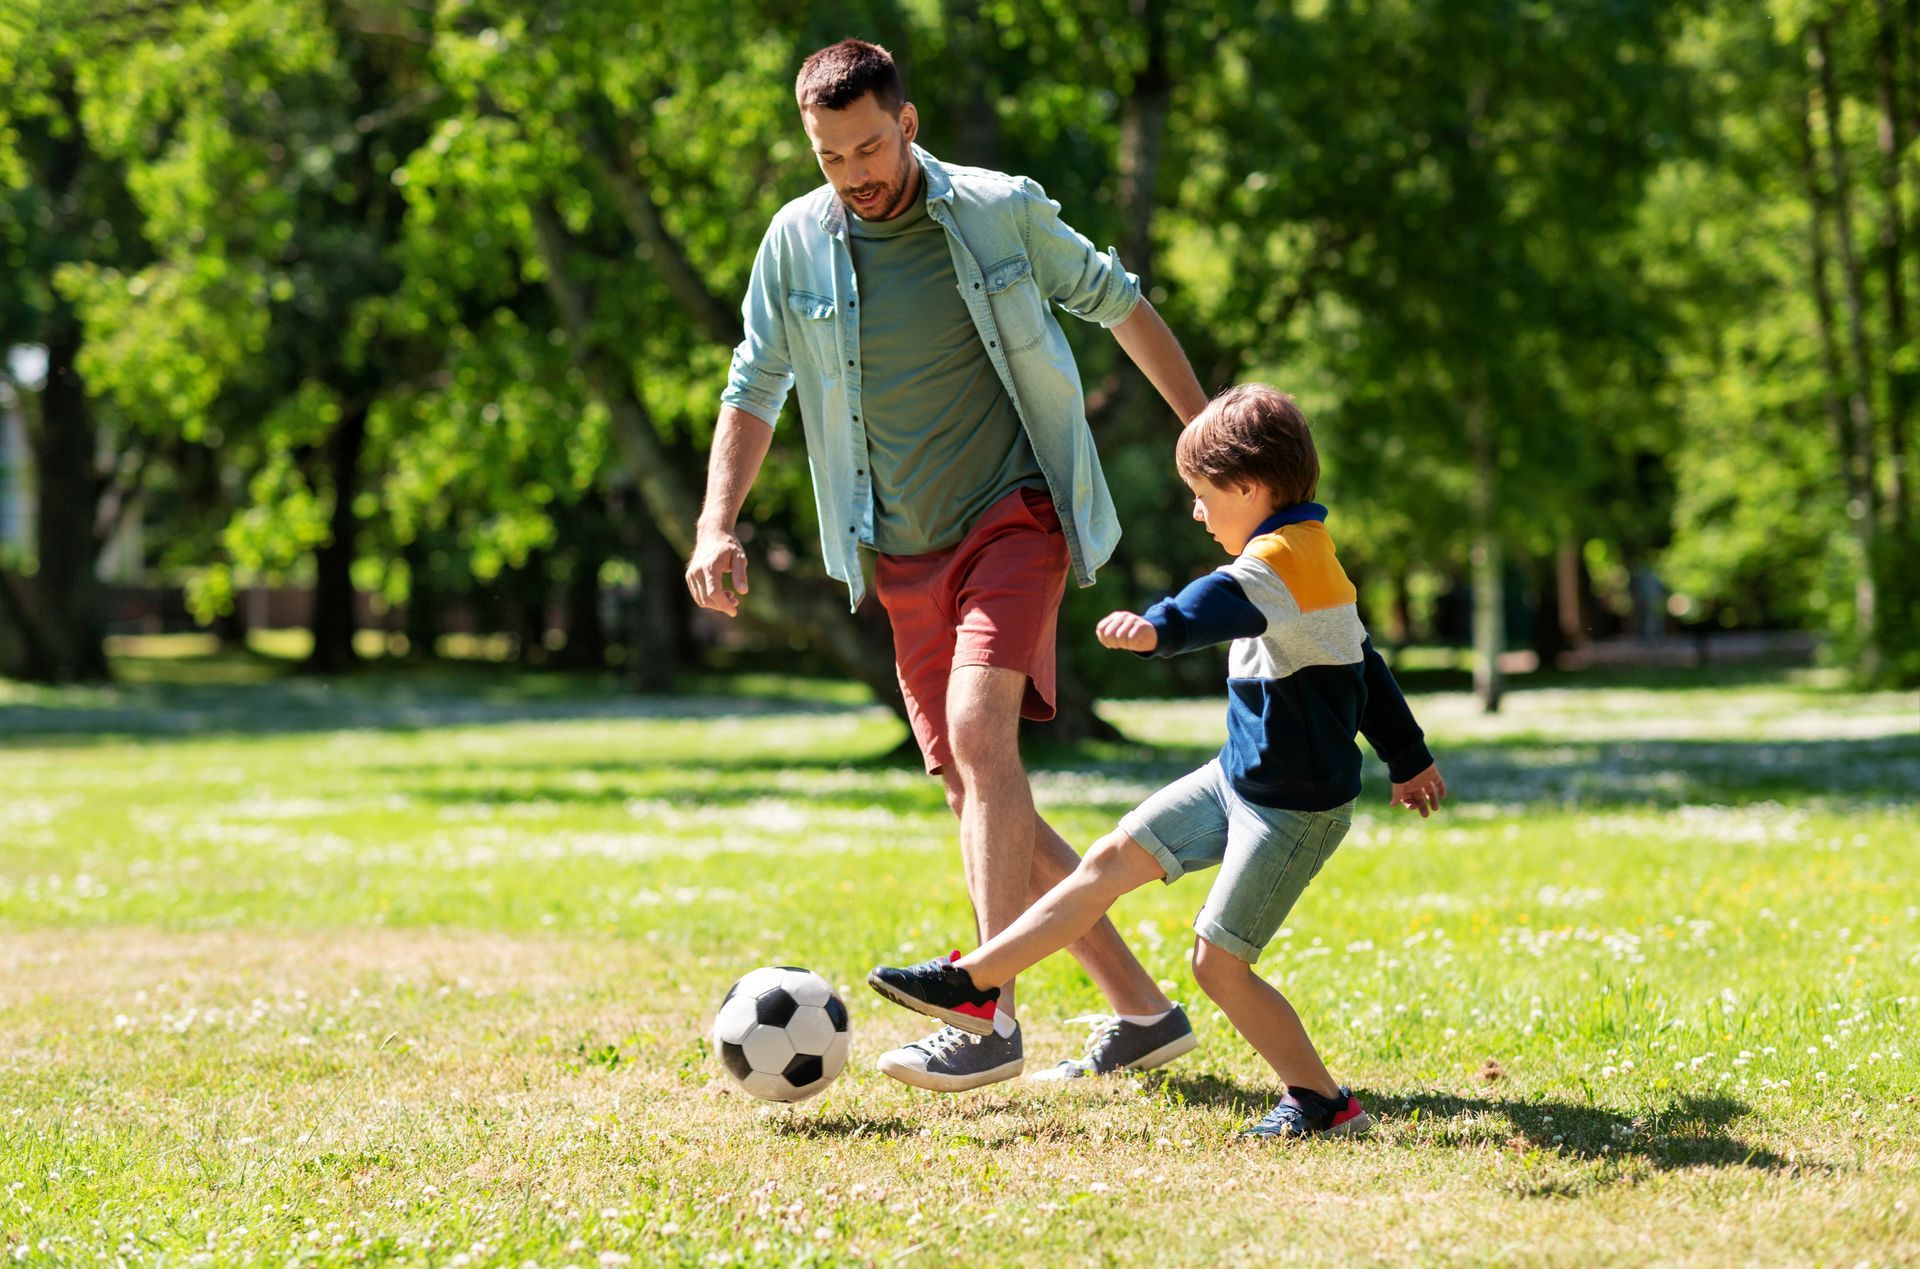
{"points": [[1581, 223]]}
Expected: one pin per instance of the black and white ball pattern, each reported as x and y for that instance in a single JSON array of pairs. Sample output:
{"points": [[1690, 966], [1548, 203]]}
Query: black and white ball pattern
{"points": [[782, 1033]]}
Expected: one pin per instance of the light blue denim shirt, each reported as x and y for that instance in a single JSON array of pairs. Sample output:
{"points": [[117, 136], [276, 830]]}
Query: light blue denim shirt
{"points": [[1011, 255]]}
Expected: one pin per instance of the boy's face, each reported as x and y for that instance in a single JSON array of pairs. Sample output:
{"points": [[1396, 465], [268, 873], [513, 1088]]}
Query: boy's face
{"points": [[1230, 512]]}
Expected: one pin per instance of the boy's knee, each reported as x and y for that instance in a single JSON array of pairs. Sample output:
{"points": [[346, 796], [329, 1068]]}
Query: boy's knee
{"points": [[1108, 853], [1216, 969], [1118, 863]]}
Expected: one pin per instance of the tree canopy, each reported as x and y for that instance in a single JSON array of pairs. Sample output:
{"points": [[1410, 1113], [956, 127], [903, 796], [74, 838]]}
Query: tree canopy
{"points": [[435, 301]]}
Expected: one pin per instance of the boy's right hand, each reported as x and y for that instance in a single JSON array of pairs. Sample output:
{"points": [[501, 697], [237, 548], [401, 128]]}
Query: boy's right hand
{"points": [[1129, 632], [1424, 793]]}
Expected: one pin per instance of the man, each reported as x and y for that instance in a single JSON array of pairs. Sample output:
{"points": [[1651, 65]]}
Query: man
{"points": [[946, 430]]}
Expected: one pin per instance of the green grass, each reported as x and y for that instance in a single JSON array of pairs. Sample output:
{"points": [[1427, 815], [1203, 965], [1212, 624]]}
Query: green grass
{"points": [[418, 967]]}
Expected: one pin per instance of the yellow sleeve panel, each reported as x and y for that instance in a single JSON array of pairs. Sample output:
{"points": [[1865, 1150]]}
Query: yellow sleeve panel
{"points": [[1301, 555]]}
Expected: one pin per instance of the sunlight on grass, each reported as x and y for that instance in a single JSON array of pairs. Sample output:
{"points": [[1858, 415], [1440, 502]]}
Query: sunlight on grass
{"points": [[418, 968]]}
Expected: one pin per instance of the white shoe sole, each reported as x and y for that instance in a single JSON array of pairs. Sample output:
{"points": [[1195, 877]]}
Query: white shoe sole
{"points": [[1179, 1046], [937, 1083], [1172, 1049], [1359, 1126]]}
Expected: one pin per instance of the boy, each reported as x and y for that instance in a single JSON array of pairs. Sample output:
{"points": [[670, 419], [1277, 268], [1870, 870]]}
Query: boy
{"points": [[1271, 808]]}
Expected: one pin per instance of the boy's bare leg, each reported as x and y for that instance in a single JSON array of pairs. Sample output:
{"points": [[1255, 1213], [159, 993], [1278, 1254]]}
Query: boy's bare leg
{"points": [[987, 788], [1263, 1016], [1115, 865]]}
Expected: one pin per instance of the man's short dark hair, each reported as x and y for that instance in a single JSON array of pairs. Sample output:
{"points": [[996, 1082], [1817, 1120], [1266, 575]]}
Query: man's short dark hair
{"points": [[1256, 435], [841, 74]]}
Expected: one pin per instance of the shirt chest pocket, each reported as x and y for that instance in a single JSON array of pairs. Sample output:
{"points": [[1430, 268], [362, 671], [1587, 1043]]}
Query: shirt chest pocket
{"points": [[810, 321], [1019, 311]]}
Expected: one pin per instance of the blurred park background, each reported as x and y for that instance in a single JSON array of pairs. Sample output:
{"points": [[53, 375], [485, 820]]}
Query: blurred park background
{"points": [[387, 329]]}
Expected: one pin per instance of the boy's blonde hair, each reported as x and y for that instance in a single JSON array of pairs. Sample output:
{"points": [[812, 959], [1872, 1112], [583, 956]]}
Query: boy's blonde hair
{"points": [[1252, 434]]}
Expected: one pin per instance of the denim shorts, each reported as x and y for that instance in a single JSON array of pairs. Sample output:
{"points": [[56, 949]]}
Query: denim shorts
{"points": [[1266, 855]]}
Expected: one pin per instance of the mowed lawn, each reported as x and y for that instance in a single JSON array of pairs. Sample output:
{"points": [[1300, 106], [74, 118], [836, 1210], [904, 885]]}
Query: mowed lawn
{"points": [[419, 970]]}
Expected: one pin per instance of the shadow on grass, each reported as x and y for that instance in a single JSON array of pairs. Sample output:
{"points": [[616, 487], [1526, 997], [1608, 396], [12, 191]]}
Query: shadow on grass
{"points": [[1689, 1131], [376, 701], [843, 1126], [1514, 770], [1654, 776]]}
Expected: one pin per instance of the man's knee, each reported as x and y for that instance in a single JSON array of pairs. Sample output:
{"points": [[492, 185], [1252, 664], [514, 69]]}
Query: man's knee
{"points": [[956, 792], [983, 720], [1217, 969], [984, 747]]}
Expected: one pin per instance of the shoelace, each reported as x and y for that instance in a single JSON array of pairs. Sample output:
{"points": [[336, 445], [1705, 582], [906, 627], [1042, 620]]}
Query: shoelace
{"points": [[1286, 1116], [1105, 1027], [943, 1042]]}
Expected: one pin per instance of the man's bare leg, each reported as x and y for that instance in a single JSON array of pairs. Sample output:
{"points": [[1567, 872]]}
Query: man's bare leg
{"points": [[995, 802]]}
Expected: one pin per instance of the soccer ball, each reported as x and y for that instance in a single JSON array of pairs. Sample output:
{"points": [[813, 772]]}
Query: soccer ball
{"points": [[782, 1033]]}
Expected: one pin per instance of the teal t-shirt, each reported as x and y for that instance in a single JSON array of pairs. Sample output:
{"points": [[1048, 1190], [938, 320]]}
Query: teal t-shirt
{"points": [[944, 442]]}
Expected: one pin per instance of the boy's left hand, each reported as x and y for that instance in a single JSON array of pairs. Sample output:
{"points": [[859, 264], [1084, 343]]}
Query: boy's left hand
{"points": [[1423, 793], [1127, 631]]}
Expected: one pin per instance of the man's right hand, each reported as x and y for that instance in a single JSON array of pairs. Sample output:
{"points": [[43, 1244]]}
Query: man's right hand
{"points": [[716, 556]]}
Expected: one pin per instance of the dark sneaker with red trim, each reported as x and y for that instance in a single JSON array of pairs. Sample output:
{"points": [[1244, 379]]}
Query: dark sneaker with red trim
{"points": [[940, 989], [1305, 1113]]}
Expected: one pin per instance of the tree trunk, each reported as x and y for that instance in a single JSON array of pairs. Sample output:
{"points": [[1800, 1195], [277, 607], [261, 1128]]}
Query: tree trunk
{"points": [[1489, 563], [660, 633], [1910, 54], [1900, 377], [1855, 476], [334, 617], [1859, 396], [1143, 126], [529, 585], [24, 653], [975, 124], [1402, 609], [422, 626], [589, 537], [1549, 634], [68, 601], [1570, 596]]}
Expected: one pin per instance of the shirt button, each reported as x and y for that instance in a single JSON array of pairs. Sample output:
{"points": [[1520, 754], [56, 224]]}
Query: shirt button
{"points": [[849, 363], [990, 344]]}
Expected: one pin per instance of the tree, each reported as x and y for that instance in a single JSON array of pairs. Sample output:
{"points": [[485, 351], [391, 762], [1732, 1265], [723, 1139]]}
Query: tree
{"points": [[62, 204]]}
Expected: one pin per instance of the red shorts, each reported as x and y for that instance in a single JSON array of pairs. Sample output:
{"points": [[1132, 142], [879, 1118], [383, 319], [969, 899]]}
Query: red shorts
{"points": [[992, 600]]}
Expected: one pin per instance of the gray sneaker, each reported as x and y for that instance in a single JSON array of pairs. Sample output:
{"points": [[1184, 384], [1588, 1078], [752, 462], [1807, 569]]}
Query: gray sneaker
{"points": [[950, 1060], [1119, 1045]]}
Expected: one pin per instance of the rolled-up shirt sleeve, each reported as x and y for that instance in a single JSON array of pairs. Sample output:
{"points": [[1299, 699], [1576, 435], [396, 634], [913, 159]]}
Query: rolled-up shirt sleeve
{"points": [[1091, 284], [761, 374]]}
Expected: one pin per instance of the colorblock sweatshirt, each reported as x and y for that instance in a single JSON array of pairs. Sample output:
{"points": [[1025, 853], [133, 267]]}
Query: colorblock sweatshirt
{"points": [[1303, 676]]}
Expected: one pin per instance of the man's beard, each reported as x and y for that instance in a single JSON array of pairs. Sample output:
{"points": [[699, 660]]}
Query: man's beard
{"points": [[893, 195]]}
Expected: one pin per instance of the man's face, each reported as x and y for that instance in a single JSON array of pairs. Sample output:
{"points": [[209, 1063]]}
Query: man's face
{"points": [[865, 154]]}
